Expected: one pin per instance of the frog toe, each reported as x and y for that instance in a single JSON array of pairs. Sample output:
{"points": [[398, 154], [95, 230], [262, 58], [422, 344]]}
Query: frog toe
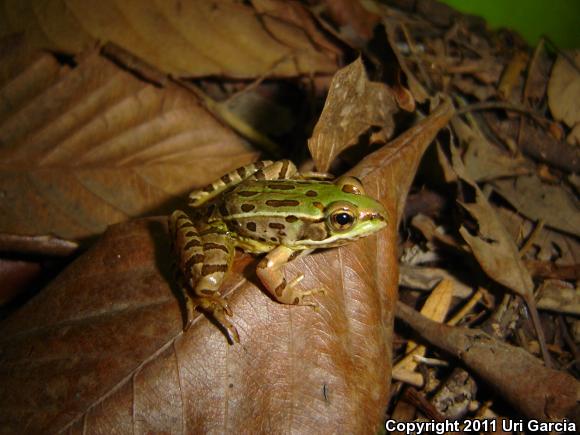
{"points": [[231, 330]]}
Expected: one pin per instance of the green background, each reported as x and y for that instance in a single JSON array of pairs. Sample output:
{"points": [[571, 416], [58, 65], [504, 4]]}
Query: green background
{"points": [[558, 19]]}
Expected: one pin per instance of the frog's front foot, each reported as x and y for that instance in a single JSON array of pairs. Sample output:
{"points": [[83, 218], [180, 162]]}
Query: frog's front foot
{"points": [[217, 307], [288, 293], [297, 297]]}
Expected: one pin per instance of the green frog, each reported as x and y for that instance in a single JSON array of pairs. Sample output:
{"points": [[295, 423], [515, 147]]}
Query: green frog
{"points": [[265, 207]]}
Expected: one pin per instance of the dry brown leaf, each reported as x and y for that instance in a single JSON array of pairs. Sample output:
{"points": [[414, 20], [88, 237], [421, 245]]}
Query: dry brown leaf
{"points": [[536, 142], [484, 161], [492, 246], [496, 252], [536, 391], [94, 145], [186, 38], [564, 89], [573, 137], [425, 278], [548, 245], [559, 296], [470, 86], [353, 107], [101, 349], [553, 204], [356, 21]]}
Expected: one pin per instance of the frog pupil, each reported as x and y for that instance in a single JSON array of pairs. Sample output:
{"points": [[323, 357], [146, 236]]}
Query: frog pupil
{"points": [[343, 219]]}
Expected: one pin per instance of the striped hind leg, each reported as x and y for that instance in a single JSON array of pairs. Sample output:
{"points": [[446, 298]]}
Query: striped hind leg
{"points": [[219, 250], [280, 170], [201, 196], [262, 170], [187, 249], [204, 256]]}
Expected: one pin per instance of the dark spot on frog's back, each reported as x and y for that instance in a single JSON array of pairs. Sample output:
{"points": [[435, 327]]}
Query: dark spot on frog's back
{"points": [[251, 226], [311, 193], [318, 205], [290, 219], [281, 186], [276, 225], [247, 207], [283, 203], [247, 193], [226, 179], [241, 172]]}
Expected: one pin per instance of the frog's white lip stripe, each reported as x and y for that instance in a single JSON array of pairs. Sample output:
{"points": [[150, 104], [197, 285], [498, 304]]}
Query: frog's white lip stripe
{"points": [[338, 237]]}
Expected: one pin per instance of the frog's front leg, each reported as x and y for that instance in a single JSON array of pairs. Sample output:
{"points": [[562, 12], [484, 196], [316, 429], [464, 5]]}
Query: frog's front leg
{"points": [[270, 272], [205, 254]]}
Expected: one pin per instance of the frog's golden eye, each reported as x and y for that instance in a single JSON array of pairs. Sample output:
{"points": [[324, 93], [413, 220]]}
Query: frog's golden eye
{"points": [[341, 215], [350, 185]]}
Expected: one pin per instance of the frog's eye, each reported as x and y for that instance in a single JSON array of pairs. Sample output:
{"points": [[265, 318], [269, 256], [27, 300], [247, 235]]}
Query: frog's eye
{"points": [[341, 216], [350, 185]]}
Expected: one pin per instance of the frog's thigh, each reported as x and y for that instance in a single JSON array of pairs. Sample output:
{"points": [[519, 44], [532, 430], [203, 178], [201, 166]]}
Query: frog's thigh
{"points": [[218, 251], [270, 272]]}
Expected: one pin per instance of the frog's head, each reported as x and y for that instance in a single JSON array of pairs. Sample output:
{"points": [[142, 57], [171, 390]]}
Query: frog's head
{"points": [[349, 214]]}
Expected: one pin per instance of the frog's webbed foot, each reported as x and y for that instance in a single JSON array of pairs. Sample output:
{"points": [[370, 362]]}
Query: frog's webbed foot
{"points": [[217, 307]]}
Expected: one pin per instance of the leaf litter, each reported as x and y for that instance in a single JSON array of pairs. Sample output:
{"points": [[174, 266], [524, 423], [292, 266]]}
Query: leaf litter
{"points": [[87, 142]]}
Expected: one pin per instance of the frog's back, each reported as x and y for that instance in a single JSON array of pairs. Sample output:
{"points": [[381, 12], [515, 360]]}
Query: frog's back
{"points": [[277, 212]]}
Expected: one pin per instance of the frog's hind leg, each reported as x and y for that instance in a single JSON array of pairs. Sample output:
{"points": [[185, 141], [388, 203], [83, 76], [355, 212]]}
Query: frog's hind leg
{"points": [[185, 242], [204, 256], [188, 250], [218, 250], [201, 196], [280, 170], [261, 170]]}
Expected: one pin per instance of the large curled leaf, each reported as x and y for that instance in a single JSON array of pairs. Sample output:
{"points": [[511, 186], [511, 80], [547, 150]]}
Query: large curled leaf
{"points": [[272, 37], [101, 349], [86, 147]]}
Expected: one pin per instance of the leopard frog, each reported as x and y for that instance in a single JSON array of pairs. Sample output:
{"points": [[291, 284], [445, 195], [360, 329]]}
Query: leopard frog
{"points": [[265, 207]]}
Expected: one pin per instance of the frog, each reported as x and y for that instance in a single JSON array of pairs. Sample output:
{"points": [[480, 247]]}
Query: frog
{"points": [[266, 207]]}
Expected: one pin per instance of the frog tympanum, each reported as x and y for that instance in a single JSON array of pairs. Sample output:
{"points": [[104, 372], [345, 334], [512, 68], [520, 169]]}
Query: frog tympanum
{"points": [[264, 207]]}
